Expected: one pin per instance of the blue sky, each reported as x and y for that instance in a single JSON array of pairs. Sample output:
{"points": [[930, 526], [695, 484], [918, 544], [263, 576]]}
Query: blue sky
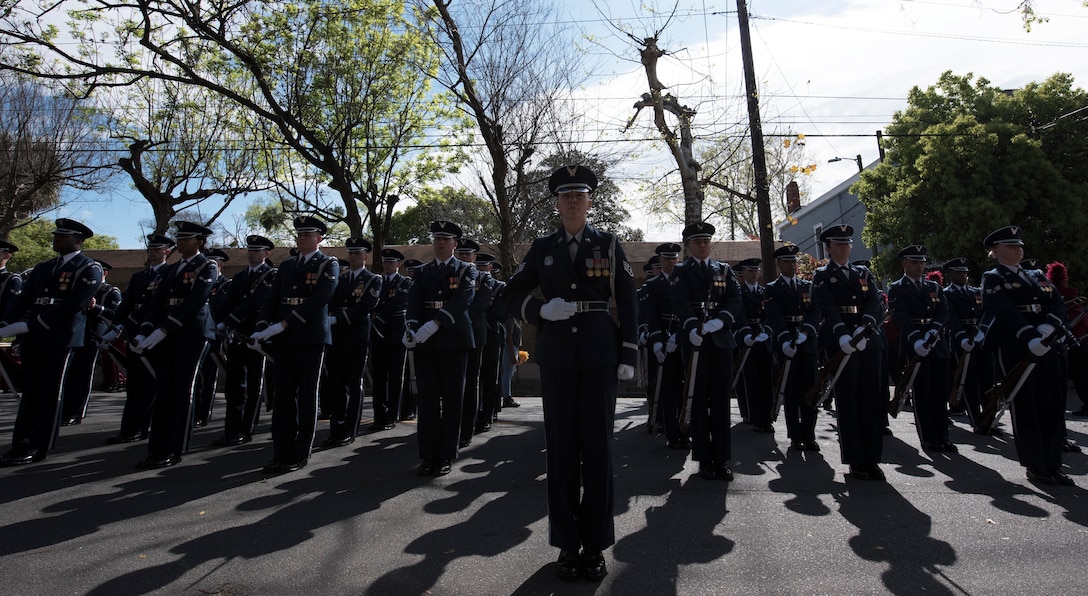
{"points": [[828, 69]]}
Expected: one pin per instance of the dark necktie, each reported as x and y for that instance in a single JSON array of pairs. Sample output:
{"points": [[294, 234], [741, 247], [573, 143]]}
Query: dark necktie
{"points": [[572, 247]]}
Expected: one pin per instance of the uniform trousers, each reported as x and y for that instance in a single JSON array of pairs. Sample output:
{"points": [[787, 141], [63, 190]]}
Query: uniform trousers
{"points": [[139, 397], [579, 415], [489, 378], [800, 417], [1038, 410], [440, 376], [861, 409], [710, 427], [177, 363], [77, 383], [204, 396], [38, 418], [758, 377], [931, 400], [297, 378], [344, 391], [470, 404], [243, 385], [387, 371], [672, 390]]}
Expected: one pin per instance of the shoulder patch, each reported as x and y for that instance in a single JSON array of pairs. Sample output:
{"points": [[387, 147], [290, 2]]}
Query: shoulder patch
{"points": [[627, 268]]}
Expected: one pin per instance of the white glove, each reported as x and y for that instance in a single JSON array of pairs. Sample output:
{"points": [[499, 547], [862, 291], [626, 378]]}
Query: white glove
{"points": [[1044, 329], [801, 337], [979, 337], [749, 340], [864, 341], [695, 339], [332, 320], [920, 348], [844, 344], [643, 338], [713, 325], [109, 336], [557, 309], [425, 331], [928, 337], [762, 337], [670, 346], [152, 340], [221, 328], [269, 332], [1037, 347], [13, 329], [967, 345], [408, 340], [135, 345], [625, 372], [788, 350], [659, 352]]}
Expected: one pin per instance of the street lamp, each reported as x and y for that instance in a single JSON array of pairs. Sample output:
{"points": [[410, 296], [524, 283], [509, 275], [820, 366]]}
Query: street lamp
{"points": [[857, 159]]}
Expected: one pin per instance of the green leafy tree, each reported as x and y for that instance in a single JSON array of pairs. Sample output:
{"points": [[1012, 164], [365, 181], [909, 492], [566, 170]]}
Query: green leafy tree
{"points": [[35, 242], [472, 213], [339, 93], [967, 157]]}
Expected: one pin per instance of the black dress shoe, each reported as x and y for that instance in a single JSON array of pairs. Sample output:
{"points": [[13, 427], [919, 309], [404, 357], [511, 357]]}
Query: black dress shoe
{"points": [[593, 566], [377, 426], [273, 467], [119, 439], [389, 426], [158, 460], [464, 443], [723, 472], [230, 441], [1040, 476], [1070, 447], [1083, 411], [812, 446], [482, 428], [508, 402], [706, 470], [199, 423], [797, 445], [21, 457], [674, 444], [686, 443], [933, 446], [569, 565], [1061, 478], [951, 448], [70, 421], [888, 430], [426, 468], [442, 468], [292, 466], [875, 473], [859, 473], [409, 416]]}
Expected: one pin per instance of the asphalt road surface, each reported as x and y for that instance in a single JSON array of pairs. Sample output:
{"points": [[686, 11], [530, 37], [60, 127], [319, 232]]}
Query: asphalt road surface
{"points": [[358, 520]]}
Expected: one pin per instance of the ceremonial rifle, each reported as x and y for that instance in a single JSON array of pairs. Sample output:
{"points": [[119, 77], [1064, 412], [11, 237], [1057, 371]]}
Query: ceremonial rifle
{"points": [[783, 378], [830, 371], [744, 353], [131, 340], [9, 368], [684, 417], [906, 380], [1000, 396]]}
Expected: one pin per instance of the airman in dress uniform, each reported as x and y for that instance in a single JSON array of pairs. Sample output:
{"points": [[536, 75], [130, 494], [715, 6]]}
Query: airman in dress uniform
{"points": [[848, 298], [388, 353], [53, 300], [410, 392], [466, 251], [356, 294], [208, 378], [663, 328], [706, 299], [80, 376], [245, 374], [758, 373], [139, 384], [295, 317], [920, 313], [1028, 310], [967, 332], [490, 364], [175, 336], [582, 356], [11, 283], [440, 331], [794, 321]]}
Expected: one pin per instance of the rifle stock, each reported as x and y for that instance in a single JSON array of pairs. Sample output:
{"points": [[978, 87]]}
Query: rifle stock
{"points": [[829, 372], [906, 380], [1000, 396]]}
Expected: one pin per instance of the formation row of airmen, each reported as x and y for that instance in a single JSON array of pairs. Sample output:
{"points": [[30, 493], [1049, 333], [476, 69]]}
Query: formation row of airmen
{"points": [[790, 344], [698, 317], [181, 322]]}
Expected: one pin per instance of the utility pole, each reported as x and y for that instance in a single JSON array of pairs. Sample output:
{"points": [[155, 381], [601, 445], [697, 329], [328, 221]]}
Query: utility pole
{"points": [[759, 158]]}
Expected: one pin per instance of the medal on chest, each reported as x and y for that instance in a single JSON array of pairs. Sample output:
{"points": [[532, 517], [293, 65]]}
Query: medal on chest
{"points": [[64, 280], [311, 279], [864, 283], [454, 281]]}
